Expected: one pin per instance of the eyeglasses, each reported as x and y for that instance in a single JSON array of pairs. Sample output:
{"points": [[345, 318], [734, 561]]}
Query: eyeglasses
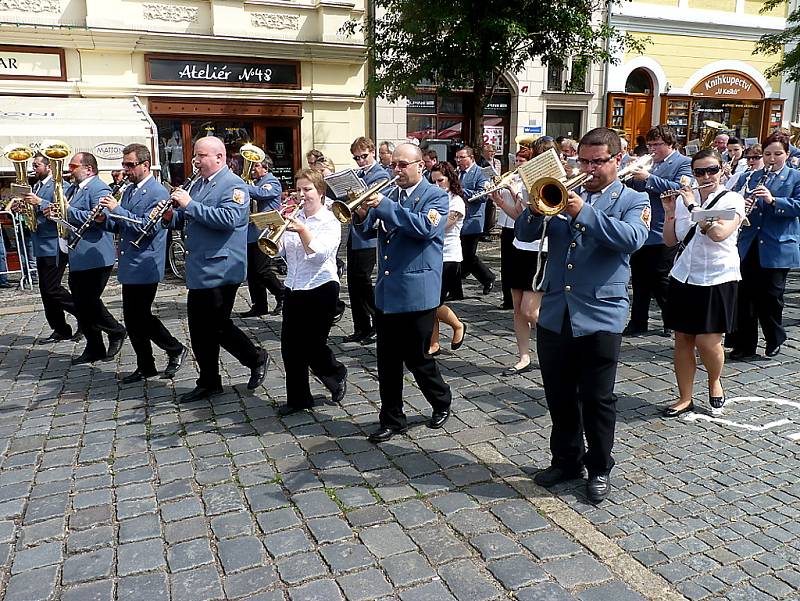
{"points": [[701, 171], [593, 162], [360, 157], [132, 165], [754, 157], [402, 164]]}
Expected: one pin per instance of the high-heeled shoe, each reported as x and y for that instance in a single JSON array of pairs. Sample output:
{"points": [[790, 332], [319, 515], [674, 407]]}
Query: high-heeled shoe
{"points": [[675, 412]]}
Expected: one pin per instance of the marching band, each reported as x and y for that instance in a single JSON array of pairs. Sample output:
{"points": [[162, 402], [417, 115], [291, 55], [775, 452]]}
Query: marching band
{"points": [[586, 231]]}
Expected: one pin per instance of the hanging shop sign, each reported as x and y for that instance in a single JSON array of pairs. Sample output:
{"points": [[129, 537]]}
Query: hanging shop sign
{"points": [[728, 84]]}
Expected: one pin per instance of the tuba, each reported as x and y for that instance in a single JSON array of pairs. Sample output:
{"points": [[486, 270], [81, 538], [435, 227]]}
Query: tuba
{"points": [[794, 133], [57, 152], [711, 129], [251, 154], [19, 155], [526, 140], [344, 210]]}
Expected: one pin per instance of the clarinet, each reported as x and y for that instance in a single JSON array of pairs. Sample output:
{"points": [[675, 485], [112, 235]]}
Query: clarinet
{"points": [[78, 234], [148, 227], [762, 181], [119, 185]]}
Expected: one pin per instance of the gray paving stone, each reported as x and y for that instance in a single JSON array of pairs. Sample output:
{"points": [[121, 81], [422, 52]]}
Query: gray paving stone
{"points": [[139, 528], [180, 510], [279, 519], [577, 571], [407, 569], [519, 516], [42, 532], [222, 499], [516, 572], [140, 556], [315, 504], [201, 584], [287, 542], [344, 557], [88, 566], [184, 530], [549, 544], [412, 513], [231, 525], [495, 545], [264, 497], [467, 582], [363, 586], [546, 591], [452, 502], [37, 557], [102, 590], [384, 541], [317, 590], [248, 583], [438, 543], [301, 567], [189, 555], [433, 591], [329, 530], [34, 585], [86, 540], [143, 587], [238, 554]]}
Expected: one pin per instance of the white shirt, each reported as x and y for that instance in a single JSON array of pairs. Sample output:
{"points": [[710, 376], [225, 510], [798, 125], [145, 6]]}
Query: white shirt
{"points": [[508, 200], [536, 244], [705, 262], [306, 271], [452, 236]]}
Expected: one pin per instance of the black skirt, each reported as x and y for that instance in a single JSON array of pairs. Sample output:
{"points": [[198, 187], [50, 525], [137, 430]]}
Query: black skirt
{"points": [[451, 280], [696, 310], [522, 267]]}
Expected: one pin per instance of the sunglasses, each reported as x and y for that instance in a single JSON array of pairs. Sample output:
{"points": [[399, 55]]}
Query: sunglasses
{"points": [[360, 157], [402, 164], [701, 171], [132, 165]]}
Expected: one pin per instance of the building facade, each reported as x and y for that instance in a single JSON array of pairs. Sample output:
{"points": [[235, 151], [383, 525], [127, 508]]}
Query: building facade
{"points": [[278, 73]]}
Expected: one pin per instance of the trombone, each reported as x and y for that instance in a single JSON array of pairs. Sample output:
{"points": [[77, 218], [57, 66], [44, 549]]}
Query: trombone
{"points": [[343, 210]]}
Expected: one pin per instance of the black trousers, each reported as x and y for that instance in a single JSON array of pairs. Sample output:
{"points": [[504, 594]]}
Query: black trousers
{"points": [[55, 298], [760, 300], [489, 217], [472, 263], [93, 318], [360, 264], [404, 338], [210, 327], [650, 267], [144, 327], [578, 374], [506, 253], [261, 276], [307, 320]]}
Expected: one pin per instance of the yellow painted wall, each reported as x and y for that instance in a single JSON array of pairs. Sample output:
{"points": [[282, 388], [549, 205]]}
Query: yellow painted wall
{"points": [[659, 2], [753, 7], [722, 5], [681, 56]]}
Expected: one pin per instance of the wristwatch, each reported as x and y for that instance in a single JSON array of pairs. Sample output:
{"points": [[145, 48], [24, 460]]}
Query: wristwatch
{"points": [[691, 207]]}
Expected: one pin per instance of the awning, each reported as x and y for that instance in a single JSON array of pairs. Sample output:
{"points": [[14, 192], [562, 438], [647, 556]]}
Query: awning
{"points": [[102, 126]]}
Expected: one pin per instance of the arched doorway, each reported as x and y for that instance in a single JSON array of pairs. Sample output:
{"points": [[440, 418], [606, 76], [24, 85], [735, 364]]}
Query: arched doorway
{"points": [[633, 110]]}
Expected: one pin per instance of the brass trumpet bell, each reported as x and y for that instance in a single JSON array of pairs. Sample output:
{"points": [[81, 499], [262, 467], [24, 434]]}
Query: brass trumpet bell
{"points": [[549, 195], [58, 151], [343, 210], [251, 154]]}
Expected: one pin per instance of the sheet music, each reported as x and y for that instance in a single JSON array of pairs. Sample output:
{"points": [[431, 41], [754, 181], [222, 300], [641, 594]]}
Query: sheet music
{"points": [[546, 164], [699, 215], [19, 190], [345, 181]]}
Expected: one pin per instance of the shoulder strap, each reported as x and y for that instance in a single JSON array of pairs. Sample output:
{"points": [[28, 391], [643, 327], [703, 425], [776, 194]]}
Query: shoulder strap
{"points": [[691, 232]]}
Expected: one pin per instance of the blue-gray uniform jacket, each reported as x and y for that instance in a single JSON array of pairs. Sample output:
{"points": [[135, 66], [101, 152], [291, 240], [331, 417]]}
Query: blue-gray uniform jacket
{"points": [[410, 241], [267, 194], [144, 265], [775, 226], [371, 175], [96, 249], [472, 181], [664, 176], [215, 231], [588, 261], [45, 238]]}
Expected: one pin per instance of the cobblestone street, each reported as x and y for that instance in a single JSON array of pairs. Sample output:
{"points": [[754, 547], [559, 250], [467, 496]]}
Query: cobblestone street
{"points": [[110, 491]]}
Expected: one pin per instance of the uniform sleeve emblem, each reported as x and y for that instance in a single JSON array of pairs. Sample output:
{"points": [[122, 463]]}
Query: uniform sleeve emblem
{"points": [[267, 187], [434, 217], [238, 196], [646, 216]]}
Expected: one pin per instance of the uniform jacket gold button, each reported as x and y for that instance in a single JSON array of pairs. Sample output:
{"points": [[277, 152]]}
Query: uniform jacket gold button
{"points": [[569, 265], [567, 288], [386, 272]]}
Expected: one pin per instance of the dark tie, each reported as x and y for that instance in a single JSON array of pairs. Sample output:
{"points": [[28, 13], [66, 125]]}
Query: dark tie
{"points": [[590, 197], [36, 187], [403, 197], [71, 192], [200, 186]]}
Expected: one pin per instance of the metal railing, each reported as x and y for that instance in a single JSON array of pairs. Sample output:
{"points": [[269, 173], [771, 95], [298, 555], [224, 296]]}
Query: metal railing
{"points": [[25, 270]]}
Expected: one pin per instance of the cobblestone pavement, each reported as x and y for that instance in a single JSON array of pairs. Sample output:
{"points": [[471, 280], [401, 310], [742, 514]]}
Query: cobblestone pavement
{"points": [[118, 492]]}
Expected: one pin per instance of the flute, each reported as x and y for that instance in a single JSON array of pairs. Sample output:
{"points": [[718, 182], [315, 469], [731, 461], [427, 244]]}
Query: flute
{"points": [[670, 193]]}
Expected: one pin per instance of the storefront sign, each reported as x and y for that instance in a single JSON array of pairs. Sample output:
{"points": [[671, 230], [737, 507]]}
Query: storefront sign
{"points": [[234, 72], [108, 150], [21, 62], [493, 134], [728, 84]]}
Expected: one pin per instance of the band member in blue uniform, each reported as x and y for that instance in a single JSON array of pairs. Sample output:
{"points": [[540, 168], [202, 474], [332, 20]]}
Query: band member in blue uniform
{"points": [[650, 265], [90, 263], [261, 276], [409, 225], [768, 248], [51, 261], [472, 183], [214, 215], [583, 312], [141, 269]]}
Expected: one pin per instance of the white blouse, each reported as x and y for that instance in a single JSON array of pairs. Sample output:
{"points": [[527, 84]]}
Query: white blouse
{"points": [[452, 237], [705, 262], [306, 271]]}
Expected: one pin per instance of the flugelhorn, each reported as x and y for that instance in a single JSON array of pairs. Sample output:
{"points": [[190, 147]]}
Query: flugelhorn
{"points": [[643, 162], [160, 212], [269, 240], [19, 155], [57, 152], [498, 182], [343, 210], [548, 195]]}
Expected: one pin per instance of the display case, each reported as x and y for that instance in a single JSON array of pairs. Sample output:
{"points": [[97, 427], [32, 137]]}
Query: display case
{"points": [[678, 117], [617, 120]]}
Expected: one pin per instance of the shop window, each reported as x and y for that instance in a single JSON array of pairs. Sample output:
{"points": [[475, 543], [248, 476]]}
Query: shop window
{"points": [[639, 82], [561, 122]]}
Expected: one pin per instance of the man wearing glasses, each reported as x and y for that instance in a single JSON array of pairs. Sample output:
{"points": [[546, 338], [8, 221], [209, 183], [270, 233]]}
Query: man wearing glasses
{"points": [[650, 265], [583, 311], [409, 225], [361, 250], [90, 263], [141, 269], [472, 182]]}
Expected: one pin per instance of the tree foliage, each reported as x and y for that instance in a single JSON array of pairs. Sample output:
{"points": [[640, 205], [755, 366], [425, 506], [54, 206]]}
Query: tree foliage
{"points": [[775, 43], [470, 44]]}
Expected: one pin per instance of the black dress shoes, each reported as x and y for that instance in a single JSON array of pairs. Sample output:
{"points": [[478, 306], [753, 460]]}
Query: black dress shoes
{"points": [[556, 475], [174, 364], [54, 337], [356, 337], [371, 338], [772, 351], [632, 330], [258, 373], [736, 355], [673, 412], [198, 393], [438, 419], [515, 371], [385, 433], [598, 487], [666, 332], [278, 308], [488, 287], [77, 336], [138, 376], [85, 357], [253, 312], [286, 410], [337, 395], [115, 345]]}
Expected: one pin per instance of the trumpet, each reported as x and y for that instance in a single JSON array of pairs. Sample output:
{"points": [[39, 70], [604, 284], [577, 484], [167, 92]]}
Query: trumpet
{"points": [[344, 210], [643, 162], [269, 244], [498, 183], [153, 222], [548, 195]]}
